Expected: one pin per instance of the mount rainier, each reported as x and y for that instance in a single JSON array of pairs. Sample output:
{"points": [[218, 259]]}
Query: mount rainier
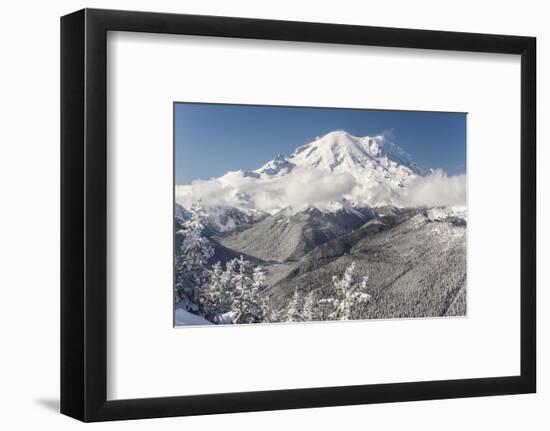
{"points": [[336, 172]]}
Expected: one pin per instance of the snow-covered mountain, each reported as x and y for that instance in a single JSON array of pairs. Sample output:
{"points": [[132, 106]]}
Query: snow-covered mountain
{"points": [[339, 151], [221, 218], [289, 235], [331, 173], [415, 260]]}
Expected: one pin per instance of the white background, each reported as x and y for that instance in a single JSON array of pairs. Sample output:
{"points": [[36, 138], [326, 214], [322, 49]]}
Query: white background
{"points": [[148, 358], [30, 230]]}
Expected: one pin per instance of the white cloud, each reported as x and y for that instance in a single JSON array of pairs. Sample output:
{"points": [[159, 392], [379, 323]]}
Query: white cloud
{"points": [[300, 187], [308, 186], [436, 189]]}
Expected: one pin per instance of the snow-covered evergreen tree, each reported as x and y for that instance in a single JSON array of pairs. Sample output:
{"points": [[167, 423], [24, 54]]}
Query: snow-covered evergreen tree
{"points": [[246, 282], [212, 298], [218, 297], [258, 278], [226, 283], [241, 282], [192, 274], [258, 286], [233, 295], [310, 312], [350, 296], [294, 311]]}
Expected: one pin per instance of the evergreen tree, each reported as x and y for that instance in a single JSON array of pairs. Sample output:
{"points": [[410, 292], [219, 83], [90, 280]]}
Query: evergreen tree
{"points": [[213, 298], [263, 311], [192, 274], [294, 311], [350, 296], [234, 295], [258, 278], [226, 284], [246, 305], [310, 307], [218, 297]]}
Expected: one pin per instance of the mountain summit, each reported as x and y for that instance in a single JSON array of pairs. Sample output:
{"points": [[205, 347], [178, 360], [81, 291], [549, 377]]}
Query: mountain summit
{"points": [[379, 168], [339, 151]]}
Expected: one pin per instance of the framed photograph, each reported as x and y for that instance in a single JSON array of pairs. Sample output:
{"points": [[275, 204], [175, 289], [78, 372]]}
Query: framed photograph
{"points": [[262, 215], [344, 227]]}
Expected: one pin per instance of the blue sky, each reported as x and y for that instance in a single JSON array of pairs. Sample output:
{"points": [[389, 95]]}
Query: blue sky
{"points": [[212, 139]]}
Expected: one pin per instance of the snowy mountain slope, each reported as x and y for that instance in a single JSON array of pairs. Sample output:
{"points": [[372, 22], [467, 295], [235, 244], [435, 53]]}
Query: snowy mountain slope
{"points": [[221, 218], [339, 150], [289, 235], [380, 168], [276, 167], [416, 262], [181, 214], [220, 252], [365, 171]]}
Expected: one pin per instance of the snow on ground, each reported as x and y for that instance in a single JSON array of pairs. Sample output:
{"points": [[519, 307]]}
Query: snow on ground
{"points": [[441, 213], [185, 318]]}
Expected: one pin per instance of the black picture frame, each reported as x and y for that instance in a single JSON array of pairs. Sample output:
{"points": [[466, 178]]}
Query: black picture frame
{"points": [[84, 214]]}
